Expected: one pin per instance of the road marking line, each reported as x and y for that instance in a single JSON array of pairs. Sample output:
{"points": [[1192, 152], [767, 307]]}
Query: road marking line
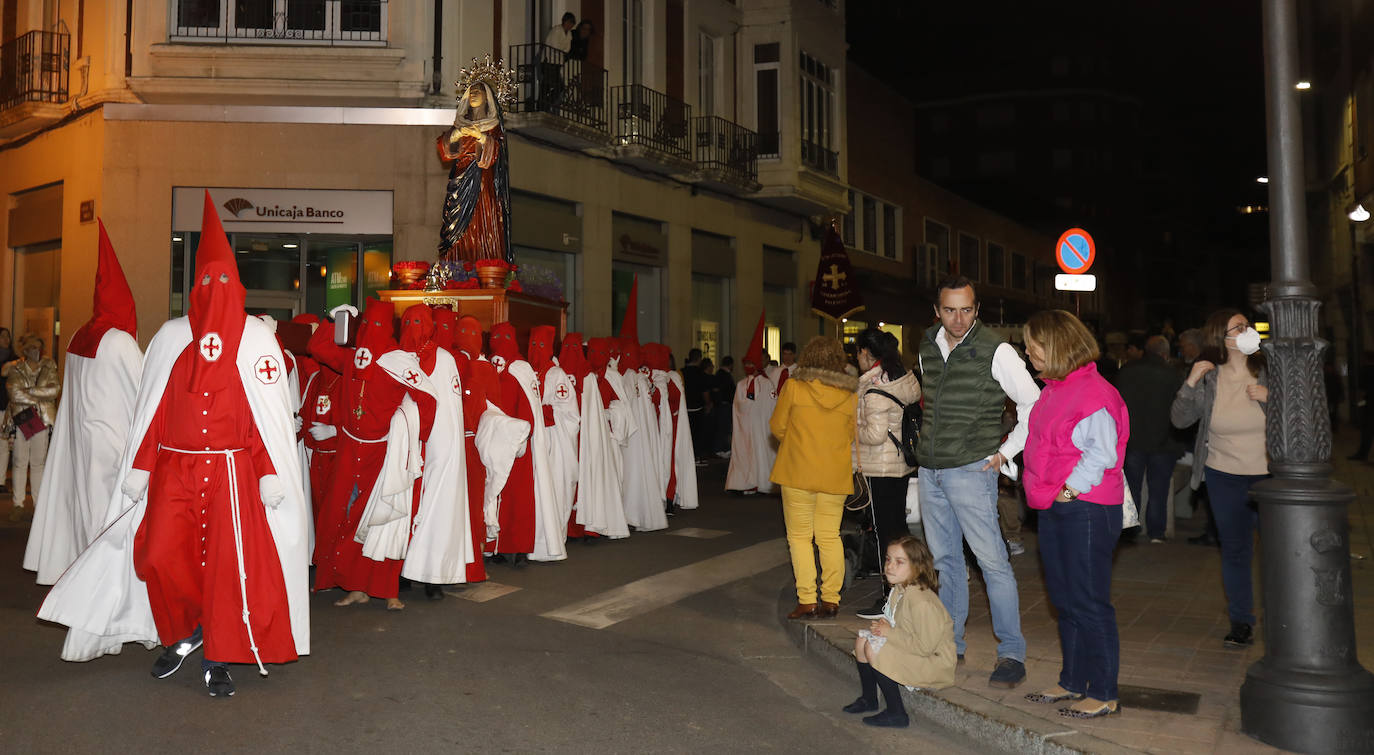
{"points": [[481, 592], [651, 593], [700, 532]]}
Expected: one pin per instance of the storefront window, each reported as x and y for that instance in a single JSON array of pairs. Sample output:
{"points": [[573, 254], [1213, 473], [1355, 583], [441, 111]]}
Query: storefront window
{"points": [[376, 268], [778, 309], [711, 316], [331, 275], [550, 275], [650, 298]]}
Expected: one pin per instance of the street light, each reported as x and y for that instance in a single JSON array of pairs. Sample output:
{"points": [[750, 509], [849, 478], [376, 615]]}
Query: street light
{"points": [[1262, 180], [1359, 214], [1303, 85]]}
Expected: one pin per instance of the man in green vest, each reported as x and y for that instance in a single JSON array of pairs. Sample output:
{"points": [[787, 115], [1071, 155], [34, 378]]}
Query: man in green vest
{"points": [[967, 373]]}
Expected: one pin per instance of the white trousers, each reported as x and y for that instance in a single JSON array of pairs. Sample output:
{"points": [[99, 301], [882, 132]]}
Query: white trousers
{"points": [[29, 454]]}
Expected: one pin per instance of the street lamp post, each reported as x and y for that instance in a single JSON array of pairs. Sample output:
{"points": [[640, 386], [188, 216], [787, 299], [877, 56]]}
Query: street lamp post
{"points": [[1309, 692]]}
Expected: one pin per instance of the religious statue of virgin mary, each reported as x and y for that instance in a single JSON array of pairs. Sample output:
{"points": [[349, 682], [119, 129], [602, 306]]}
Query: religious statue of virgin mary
{"points": [[476, 219]]}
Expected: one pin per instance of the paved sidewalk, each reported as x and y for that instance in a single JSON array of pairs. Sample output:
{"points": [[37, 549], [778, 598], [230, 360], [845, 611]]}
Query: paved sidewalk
{"points": [[1172, 616]]}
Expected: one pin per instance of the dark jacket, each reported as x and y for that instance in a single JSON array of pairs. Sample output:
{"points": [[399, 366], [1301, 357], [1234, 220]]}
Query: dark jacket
{"points": [[1148, 386]]}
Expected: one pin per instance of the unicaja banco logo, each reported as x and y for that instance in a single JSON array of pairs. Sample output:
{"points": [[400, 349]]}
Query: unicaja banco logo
{"points": [[237, 205]]}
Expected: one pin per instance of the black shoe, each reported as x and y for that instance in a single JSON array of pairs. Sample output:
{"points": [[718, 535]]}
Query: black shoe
{"points": [[496, 558], [889, 718], [172, 658], [861, 705], [1203, 539], [218, 681], [1009, 673], [1242, 635], [434, 592], [520, 560], [873, 612], [404, 585]]}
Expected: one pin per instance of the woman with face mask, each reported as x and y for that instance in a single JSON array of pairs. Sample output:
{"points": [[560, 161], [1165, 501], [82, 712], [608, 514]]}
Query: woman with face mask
{"points": [[1225, 395], [33, 386]]}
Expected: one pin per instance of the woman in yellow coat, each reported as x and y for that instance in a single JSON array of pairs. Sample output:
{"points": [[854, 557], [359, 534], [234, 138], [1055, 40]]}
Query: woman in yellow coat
{"points": [[814, 425]]}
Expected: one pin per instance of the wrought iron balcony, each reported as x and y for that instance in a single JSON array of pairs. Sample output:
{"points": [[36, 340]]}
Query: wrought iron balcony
{"points": [[310, 22], [727, 147], [770, 145], [548, 81], [34, 68], [651, 119], [819, 158]]}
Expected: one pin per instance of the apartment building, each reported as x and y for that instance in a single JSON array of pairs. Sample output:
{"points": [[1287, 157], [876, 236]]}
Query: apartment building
{"points": [[696, 146]]}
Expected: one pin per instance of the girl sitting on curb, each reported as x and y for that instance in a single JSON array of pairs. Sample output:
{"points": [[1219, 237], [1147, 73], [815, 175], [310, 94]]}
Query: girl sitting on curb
{"points": [[913, 644]]}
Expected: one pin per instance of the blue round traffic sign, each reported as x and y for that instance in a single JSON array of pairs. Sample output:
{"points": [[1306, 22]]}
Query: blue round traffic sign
{"points": [[1075, 251]]}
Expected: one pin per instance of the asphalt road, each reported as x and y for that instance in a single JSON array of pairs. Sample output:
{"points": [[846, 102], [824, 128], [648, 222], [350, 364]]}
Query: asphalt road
{"points": [[708, 670]]}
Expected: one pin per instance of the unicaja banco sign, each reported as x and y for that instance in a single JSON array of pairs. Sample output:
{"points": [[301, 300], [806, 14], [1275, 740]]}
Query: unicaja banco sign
{"points": [[287, 210]]}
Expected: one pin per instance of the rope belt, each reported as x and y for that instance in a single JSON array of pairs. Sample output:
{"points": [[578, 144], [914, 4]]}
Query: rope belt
{"points": [[228, 454], [362, 440]]}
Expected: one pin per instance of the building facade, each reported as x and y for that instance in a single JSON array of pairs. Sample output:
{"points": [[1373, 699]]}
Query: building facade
{"points": [[692, 146]]}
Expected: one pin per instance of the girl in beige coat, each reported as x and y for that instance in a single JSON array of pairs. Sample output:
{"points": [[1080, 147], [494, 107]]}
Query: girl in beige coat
{"points": [[913, 644]]}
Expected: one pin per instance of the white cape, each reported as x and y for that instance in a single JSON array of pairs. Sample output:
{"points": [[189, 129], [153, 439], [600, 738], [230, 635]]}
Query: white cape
{"points": [[500, 441], [384, 529], [645, 480], [550, 532], [560, 394], [751, 442], [441, 543], [100, 598], [679, 456], [600, 507], [88, 439]]}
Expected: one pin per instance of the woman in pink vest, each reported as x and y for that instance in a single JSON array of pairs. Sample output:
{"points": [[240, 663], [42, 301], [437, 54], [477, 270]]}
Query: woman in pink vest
{"points": [[1074, 451]]}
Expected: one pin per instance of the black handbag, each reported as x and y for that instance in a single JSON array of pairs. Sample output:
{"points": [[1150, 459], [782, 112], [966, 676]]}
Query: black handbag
{"points": [[862, 497]]}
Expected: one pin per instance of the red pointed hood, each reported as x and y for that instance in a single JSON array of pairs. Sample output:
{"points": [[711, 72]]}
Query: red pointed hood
{"points": [[631, 358], [417, 334], [216, 307], [657, 356], [114, 303], [572, 359], [753, 356], [504, 349], [445, 327], [598, 354], [629, 327], [469, 336], [541, 348], [377, 333]]}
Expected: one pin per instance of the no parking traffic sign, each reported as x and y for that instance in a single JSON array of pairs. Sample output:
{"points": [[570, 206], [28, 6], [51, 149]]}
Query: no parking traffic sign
{"points": [[1075, 251]]}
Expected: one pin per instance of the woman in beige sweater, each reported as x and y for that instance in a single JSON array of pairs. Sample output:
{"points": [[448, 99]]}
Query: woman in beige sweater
{"points": [[912, 643]]}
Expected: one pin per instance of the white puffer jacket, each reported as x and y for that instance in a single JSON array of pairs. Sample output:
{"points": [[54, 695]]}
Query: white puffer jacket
{"points": [[880, 415]]}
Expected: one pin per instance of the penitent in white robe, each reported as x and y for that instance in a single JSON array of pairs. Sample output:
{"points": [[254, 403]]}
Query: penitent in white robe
{"points": [[441, 543], [644, 479], [560, 395], [605, 432], [752, 449], [550, 531], [88, 438], [679, 456]]}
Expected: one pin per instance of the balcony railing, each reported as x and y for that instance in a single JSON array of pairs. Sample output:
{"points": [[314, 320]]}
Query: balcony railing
{"points": [[312, 22], [548, 81], [651, 118], [770, 146], [819, 158], [726, 146], [34, 68]]}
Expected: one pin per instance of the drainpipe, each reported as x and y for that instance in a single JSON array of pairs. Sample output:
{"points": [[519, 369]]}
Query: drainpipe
{"points": [[436, 75]]}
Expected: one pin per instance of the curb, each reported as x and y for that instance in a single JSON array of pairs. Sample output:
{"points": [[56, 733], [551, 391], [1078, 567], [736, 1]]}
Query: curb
{"points": [[987, 722]]}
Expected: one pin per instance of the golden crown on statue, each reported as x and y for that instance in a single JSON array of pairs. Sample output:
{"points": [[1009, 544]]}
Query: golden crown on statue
{"points": [[500, 79]]}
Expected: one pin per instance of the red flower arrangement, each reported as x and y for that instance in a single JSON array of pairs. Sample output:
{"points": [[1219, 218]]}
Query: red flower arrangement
{"points": [[410, 274]]}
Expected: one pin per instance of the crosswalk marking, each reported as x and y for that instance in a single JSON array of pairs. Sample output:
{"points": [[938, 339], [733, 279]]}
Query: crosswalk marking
{"points": [[481, 592], [645, 595], [699, 532]]}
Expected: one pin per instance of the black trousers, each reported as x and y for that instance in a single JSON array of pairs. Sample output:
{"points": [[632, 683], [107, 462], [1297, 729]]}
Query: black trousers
{"points": [[889, 510]]}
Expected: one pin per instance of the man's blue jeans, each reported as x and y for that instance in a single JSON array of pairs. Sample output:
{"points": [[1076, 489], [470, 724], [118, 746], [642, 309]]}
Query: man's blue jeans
{"points": [[960, 504], [1158, 469]]}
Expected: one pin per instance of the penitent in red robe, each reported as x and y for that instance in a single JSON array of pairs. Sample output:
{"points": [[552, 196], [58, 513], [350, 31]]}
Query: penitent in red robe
{"points": [[369, 395], [185, 549], [318, 408], [516, 516]]}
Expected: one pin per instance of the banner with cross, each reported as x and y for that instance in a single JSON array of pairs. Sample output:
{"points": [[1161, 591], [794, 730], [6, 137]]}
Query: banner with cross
{"points": [[834, 292]]}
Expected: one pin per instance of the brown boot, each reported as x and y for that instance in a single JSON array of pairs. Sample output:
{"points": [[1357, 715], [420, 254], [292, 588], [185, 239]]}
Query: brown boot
{"points": [[827, 610], [803, 611]]}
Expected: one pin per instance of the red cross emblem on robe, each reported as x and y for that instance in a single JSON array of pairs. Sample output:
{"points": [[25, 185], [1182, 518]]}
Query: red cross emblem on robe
{"points": [[561, 392], [266, 370], [412, 377], [211, 346], [362, 357], [499, 361], [457, 385], [322, 405]]}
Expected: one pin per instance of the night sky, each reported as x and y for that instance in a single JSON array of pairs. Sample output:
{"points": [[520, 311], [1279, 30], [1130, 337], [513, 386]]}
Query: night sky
{"points": [[1196, 65]]}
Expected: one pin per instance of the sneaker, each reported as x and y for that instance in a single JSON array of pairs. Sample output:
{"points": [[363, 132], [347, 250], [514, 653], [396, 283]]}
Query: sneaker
{"points": [[1008, 674], [172, 658], [874, 612], [1015, 548], [1241, 635], [218, 681]]}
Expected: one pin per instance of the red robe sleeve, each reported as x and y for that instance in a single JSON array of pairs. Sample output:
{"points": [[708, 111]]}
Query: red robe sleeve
{"points": [[428, 406], [146, 457], [322, 347]]}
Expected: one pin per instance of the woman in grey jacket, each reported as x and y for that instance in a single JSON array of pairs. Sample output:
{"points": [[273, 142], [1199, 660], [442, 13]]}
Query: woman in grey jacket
{"points": [[885, 388], [1225, 395]]}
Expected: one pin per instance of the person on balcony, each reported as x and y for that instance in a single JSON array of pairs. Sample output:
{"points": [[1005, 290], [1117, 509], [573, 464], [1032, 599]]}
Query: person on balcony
{"points": [[557, 45]]}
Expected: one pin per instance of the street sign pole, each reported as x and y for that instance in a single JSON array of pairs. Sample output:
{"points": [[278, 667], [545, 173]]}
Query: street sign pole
{"points": [[1309, 692]]}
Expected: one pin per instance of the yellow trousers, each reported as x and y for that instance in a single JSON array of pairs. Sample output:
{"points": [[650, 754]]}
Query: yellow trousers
{"points": [[814, 516]]}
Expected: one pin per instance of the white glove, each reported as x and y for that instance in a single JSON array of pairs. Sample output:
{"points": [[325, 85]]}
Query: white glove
{"points": [[299, 422], [271, 490], [492, 530], [323, 432], [335, 311], [135, 485]]}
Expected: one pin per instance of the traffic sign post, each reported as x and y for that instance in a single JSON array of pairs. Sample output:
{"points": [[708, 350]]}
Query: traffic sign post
{"points": [[1075, 252]]}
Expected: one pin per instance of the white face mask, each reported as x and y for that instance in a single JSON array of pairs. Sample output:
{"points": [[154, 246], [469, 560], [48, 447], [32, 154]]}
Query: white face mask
{"points": [[1248, 342]]}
